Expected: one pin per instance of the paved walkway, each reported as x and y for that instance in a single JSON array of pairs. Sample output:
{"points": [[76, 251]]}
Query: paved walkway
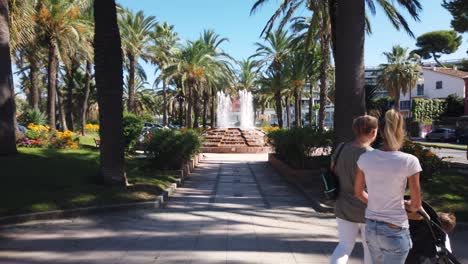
{"points": [[233, 209]]}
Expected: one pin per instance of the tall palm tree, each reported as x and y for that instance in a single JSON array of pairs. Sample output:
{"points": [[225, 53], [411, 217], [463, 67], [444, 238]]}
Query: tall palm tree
{"points": [[136, 34], [272, 55], [61, 25], [347, 24], [109, 82], [7, 97], [248, 75], [400, 74], [162, 52]]}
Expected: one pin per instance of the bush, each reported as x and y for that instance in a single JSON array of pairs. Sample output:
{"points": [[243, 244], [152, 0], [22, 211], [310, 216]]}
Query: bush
{"points": [[430, 163], [169, 149], [92, 128], [426, 111], [32, 117], [297, 145], [132, 129]]}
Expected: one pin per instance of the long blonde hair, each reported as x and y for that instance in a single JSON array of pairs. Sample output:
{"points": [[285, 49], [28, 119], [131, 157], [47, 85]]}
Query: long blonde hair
{"points": [[392, 131]]}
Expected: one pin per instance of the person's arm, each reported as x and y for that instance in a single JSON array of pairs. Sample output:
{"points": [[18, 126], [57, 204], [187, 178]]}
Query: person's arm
{"points": [[360, 185], [414, 204]]}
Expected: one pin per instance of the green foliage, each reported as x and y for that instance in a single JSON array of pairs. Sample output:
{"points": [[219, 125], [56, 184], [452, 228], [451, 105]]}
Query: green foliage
{"points": [[435, 43], [430, 163], [132, 129], [296, 145], [169, 149], [455, 106], [147, 117], [32, 116], [377, 107], [426, 110], [459, 11]]}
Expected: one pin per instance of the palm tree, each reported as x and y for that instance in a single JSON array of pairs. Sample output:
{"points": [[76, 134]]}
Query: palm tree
{"points": [[162, 52], [109, 82], [61, 24], [347, 27], [400, 74], [136, 35], [7, 97], [272, 56]]}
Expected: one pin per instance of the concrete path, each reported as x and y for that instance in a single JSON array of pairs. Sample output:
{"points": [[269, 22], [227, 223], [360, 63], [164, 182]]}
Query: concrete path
{"points": [[233, 209]]}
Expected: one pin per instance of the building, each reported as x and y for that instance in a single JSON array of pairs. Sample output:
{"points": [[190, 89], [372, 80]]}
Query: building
{"points": [[434, 83]]}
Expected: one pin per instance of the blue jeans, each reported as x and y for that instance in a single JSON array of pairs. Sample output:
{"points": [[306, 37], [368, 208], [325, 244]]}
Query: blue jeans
{"points": [[387, 245]]}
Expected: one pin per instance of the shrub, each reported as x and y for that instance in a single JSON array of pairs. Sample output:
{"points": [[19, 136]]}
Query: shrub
{"points": [[132, 129], [169, 149], [430, 163], [32, 117], [92, 128], [297, 145]]}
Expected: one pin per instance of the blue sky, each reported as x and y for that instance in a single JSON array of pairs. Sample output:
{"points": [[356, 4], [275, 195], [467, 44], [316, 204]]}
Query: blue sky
{"points": [[231, 19]]}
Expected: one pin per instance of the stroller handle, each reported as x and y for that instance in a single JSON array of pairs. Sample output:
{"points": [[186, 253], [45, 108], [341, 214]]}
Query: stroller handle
{"points": [[424, 214]]}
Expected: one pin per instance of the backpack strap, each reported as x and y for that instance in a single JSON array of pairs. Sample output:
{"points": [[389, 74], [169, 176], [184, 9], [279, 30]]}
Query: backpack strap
{"points": [[337, 157]]}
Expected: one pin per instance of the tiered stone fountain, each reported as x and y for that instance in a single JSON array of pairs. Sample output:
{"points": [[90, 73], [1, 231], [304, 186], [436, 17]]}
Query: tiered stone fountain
{"points": [[236, 132]]}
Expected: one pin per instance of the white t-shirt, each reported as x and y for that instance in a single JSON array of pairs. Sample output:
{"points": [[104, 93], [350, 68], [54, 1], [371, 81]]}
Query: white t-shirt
{"points": [[386, 174]]}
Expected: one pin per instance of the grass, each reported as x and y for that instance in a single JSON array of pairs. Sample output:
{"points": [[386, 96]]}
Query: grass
{"points": [[447, 193], [38, 180], [88, 140], [443, 145]]}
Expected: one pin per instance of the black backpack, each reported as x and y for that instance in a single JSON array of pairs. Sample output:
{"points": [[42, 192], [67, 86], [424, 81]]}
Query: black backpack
{"points": [[330, 183]]}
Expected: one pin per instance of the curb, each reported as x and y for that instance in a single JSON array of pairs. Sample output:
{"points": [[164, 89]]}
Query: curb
{"points": [[160, 201]]}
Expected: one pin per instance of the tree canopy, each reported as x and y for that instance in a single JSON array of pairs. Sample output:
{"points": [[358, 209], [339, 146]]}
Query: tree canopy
{"points": [[459, 11], [435, 43]]}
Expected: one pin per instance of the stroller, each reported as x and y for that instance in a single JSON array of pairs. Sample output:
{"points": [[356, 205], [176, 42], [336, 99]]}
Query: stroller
{"points": [[428, 239]]}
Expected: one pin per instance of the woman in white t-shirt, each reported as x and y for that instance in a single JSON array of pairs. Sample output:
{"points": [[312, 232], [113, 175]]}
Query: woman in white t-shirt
{"points": [[385, 173]]}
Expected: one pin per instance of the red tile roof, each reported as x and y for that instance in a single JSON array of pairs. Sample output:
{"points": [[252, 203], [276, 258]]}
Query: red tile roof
{"points": [[449, 71]]}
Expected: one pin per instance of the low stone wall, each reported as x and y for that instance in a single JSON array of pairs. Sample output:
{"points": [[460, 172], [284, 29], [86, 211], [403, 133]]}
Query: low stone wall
{"points": [[308, 179], [236, 149]]}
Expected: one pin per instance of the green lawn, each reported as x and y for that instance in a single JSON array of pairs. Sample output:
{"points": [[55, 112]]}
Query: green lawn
{"points": [[443, 145], [447, 193], [88, 140], [38, 180]]}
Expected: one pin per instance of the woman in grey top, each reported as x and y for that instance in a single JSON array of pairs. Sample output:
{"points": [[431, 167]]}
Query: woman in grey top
{"points": [[349, 210]]}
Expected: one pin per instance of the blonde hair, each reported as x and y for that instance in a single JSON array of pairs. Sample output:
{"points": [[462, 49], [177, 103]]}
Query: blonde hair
{"points": [[363, 125], [392, 131]]}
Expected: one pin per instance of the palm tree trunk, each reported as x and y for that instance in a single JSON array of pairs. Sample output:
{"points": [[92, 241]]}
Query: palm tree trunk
{"points": [[311, 102], [34, 77], [349, 60], [288, 112], [165, 106], [396, 105], [300, 108], [279, 109], [7, 94], [205, 107], [52, 82], [188, 114], [213, 107], [296, 107], [325, 50], [181, 112], [109, 82], [196, 108], [84, 110], [70, 87], [131, 84], [61, 107]]}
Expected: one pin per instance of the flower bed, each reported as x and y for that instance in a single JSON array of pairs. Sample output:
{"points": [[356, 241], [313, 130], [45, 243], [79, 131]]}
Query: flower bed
{"points": [[44, 136]]}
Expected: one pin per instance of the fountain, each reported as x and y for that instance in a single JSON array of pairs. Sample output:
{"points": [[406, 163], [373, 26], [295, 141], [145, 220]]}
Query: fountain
{"points": [[235, 132]]}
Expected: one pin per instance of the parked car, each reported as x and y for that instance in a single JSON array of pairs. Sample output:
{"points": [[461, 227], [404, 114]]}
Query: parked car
{"points": [[442, 135]]}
